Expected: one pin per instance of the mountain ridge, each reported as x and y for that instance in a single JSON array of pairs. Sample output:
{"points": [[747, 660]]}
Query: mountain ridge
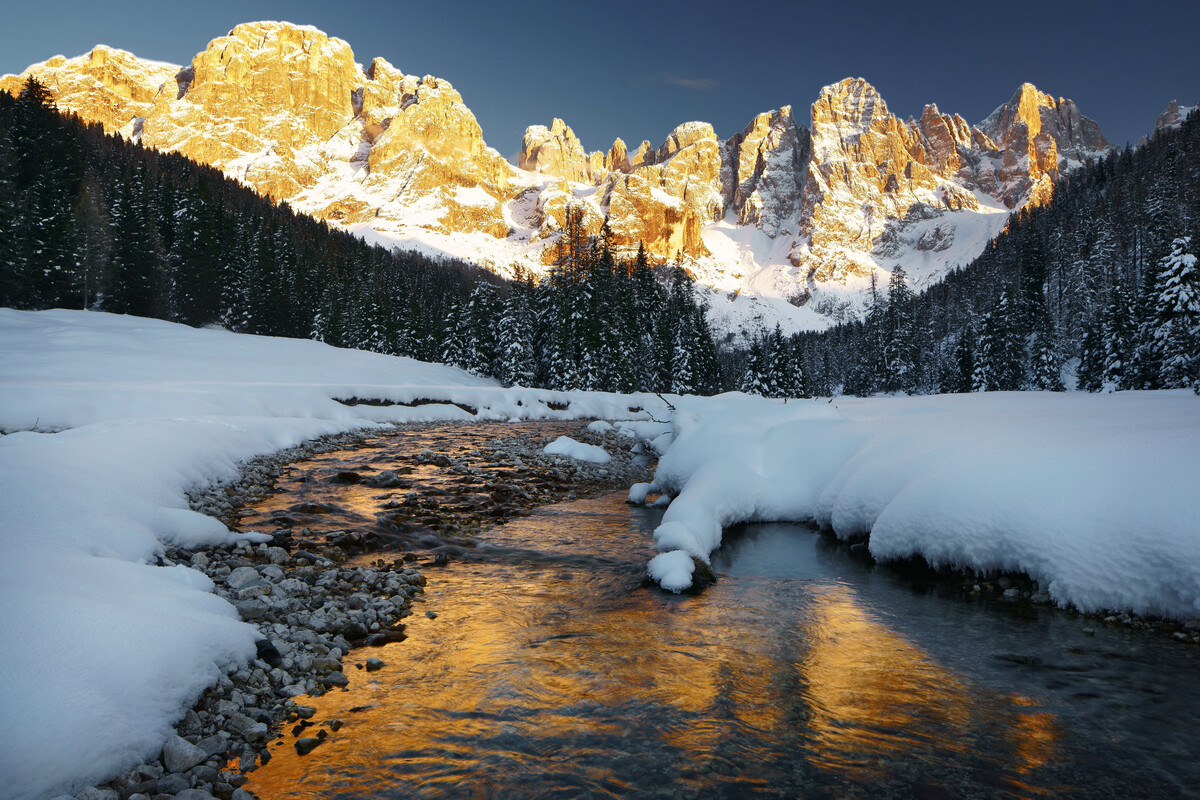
{"points": [[798, 216]]}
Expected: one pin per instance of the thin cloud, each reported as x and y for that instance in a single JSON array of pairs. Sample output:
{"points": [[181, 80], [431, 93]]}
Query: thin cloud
{"points": [[695, 84]]}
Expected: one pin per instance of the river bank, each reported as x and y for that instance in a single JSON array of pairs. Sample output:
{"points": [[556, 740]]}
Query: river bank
{"points": [[319, 592], [321, 595]]}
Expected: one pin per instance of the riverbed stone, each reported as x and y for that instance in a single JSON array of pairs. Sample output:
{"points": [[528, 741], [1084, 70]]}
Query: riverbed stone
{"points": [[212, 745], [354, 631], [194, 794], [253, 590], [173, 783], [252, 610], [180, 755], [242, 576], [202, 773], [272, 573], [98, 793], [307, 744]]}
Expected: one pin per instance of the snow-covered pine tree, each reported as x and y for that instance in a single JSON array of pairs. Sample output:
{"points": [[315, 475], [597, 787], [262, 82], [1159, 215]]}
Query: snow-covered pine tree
{"points": [[515, 335], [961, 373], [1001, 349], [899, 342], [682, 369], [480, 347], [754, 378], [453, 335], [1045, 362], [773, 362], [1090, 374], [792, 381], [1177, 332], [1119, 333]]}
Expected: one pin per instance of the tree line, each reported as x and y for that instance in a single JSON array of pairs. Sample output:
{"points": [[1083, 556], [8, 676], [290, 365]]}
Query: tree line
{"points": [[596, 322], [1097, 290], [94, 221]]}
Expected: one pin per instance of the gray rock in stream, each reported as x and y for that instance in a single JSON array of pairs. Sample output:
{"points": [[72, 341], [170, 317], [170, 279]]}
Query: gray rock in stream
{"points": [[96, 793], [180, 755], [242, 576], [173, 783], [194, 794]]}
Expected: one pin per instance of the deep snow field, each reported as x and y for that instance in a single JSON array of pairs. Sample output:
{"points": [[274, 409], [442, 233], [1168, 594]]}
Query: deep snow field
{"points": [[110, 420], [1096, 496]]}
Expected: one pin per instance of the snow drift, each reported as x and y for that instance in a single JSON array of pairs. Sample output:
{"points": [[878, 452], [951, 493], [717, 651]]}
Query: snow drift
{"points": [[1094, 496], [108, 421]]}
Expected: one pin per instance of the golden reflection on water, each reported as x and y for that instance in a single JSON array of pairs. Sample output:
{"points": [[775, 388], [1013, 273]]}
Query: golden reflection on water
{"points": [[533, 678]]}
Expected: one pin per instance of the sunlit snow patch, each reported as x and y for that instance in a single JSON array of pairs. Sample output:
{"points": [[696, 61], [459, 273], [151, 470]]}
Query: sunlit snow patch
{"points": [[566, 446]]}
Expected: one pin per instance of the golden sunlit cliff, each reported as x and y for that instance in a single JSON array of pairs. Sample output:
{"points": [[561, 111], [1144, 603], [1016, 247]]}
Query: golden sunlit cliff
{"points": [[287, 110]]}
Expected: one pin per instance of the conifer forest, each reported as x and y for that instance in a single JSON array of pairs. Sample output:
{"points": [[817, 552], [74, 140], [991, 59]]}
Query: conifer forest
{"points": [[1099, 289]]}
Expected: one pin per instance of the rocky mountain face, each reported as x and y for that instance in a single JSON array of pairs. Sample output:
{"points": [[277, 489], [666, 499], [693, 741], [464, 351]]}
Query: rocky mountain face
{"points": [[872, 177], [780, 209], [287, 110], [1173, 116]]}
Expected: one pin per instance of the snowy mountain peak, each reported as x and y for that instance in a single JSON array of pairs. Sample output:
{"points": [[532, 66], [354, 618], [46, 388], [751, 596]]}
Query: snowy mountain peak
{"points": [[775, 211], [1039, 135], [1173, 116]]}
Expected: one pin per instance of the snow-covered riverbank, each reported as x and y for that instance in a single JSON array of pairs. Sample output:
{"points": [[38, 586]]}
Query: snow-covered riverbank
{"points": [[1095, 496], [110, 420]]}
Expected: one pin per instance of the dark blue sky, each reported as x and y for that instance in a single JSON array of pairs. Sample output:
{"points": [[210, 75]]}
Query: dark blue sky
{"points": [[636, 70]]}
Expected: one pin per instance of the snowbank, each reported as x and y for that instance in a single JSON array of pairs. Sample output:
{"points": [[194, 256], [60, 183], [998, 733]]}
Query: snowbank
{"points": [[566, 446], [1095, 496], [109, 420]]}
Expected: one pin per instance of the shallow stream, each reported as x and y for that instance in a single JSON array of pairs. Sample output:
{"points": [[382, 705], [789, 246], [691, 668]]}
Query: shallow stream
{"points": [[546, 669]]}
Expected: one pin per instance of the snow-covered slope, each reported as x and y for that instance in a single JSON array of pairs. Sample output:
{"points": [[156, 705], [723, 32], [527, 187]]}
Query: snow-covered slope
{"points": [[798, 216], [107, 421], [1092, 495]]}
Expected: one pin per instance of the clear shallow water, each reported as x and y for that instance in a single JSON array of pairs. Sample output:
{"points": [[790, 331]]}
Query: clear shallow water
{"points": [[550, 671]]}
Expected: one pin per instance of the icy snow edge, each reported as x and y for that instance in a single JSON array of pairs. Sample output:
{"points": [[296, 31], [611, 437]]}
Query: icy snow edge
{"points": [[1094, 496], [114, 649]]}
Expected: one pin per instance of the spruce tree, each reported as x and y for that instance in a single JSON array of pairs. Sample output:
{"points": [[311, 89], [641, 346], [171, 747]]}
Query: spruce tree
{"points": [[1000, 359], [1045, 361], [453, 350], [1090, 373], [754, 378], [1177, 332], [900, 346], [1119, 333], [961, 378], [515, 335]]}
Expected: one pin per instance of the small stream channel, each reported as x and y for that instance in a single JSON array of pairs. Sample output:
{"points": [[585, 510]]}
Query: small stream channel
{"points": [[546, 669]]}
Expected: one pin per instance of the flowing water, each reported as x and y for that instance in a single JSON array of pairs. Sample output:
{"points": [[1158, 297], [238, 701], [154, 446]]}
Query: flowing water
{"points": [[547, 669]]}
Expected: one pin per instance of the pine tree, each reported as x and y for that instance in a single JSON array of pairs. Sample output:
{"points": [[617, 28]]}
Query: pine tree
{"points": [[1118, 332], [962, 378], [1177, 333], [999, 362], [478, 332], [453, 351], [754, 378], [516, 360], [900, 346], [1090, 374], [1045, 362]]}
